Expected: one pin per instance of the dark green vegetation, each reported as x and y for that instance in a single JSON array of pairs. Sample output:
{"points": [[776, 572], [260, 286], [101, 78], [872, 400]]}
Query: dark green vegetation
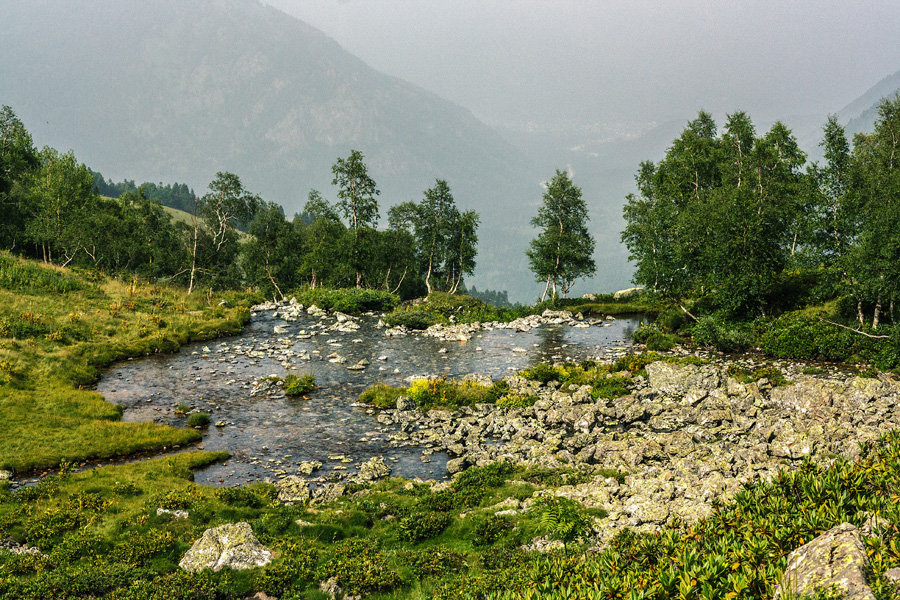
{"points": [[299, 385], [103, 537], [757, 252], [58, 328], [231, 238]]}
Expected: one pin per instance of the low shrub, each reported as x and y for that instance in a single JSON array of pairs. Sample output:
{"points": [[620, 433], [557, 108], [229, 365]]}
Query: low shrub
{"points": [[298, 385], [423, 525], [198, 419], [414, 318], [437, 560], [381, 395], [723, 335], [491, 529], [293, 570], [773, 374], [516, 401], [360, 567], [349, 300]]}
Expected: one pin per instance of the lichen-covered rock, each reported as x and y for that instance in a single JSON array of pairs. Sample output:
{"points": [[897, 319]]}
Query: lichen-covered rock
{"points": [[836, 559], [232, 545], [292, 489], [308, 466], [328, 492], [678, 380], [374, 468]]}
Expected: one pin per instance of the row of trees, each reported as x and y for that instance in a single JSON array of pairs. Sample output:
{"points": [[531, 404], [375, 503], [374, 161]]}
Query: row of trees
{"points": [[729, 217], [52, 210]]}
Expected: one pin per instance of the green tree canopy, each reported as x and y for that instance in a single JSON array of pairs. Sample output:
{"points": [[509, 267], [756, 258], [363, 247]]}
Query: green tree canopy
{"points": [[563, 250]]}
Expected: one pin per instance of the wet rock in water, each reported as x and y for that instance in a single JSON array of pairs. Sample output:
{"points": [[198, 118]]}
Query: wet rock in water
{"points": [[308, 466], [292, 489], [455, 465], [374, 468], [232, 545], [406, 403], [836, 559]]}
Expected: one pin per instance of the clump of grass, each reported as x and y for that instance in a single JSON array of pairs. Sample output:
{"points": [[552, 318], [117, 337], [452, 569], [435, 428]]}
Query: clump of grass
{"points": [[198, 419], [773, 374], [381, 395], [299, 385]]}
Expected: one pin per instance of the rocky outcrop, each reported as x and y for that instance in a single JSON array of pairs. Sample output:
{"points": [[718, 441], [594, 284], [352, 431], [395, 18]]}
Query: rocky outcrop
{"points": [[232, 545], [686, 437], [836, 560]]}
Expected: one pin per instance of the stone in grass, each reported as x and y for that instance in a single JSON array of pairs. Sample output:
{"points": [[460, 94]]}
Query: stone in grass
{"points": [[292, 489], [232, 545], [333, 591], [835, 560]]}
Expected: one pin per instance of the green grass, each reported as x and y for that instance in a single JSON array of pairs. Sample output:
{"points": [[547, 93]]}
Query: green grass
{"points": [[87, 321]]}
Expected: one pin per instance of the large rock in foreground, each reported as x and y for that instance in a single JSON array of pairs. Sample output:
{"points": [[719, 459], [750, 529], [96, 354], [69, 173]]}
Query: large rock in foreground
{"points": [[232, 545], [836, 559]]}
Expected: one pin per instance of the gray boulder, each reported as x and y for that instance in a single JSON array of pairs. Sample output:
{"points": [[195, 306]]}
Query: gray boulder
{"points": [[836, 559], [232, 545]]}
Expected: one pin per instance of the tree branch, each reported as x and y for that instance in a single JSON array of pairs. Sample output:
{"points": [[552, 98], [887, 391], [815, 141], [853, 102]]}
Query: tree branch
{"points": [[868, 335]]}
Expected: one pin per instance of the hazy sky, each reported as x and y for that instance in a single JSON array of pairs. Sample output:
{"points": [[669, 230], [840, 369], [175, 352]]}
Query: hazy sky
{"points": [[567, 60]]}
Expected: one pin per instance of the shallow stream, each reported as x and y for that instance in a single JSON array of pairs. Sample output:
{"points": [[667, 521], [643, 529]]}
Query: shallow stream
{"points": [[268, 435]]}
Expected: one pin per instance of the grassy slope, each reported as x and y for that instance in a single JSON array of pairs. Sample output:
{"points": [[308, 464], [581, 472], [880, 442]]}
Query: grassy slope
{"points": [[57, 330]]}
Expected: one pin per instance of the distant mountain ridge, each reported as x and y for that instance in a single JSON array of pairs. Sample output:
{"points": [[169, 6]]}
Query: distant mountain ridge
{"points": [[171, 90]]}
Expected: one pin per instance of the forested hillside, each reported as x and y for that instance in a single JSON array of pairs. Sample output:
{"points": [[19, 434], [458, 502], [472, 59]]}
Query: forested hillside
{"points": [[177, 91]]}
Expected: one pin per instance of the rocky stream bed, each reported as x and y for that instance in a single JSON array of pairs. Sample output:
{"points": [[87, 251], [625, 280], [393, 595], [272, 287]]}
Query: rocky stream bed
{"points": [[685, 436]]}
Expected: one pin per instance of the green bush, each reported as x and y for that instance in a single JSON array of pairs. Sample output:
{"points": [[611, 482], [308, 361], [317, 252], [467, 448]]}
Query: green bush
{"points": [[414, 318], [298, 385], [723, 335], [381, 395], [198, 419], [660, 342], [423, 525], [360, 567], [516, 401], [293, 569], [437, 560], [489, 530], [348, 300]]}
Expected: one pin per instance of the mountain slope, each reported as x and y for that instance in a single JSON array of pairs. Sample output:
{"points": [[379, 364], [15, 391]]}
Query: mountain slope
{"points": [[859, 116], [169, 90]]}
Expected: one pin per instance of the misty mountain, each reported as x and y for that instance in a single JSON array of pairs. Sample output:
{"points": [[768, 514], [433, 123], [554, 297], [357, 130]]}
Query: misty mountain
{"points": [[859, 116], [168, 90]]}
